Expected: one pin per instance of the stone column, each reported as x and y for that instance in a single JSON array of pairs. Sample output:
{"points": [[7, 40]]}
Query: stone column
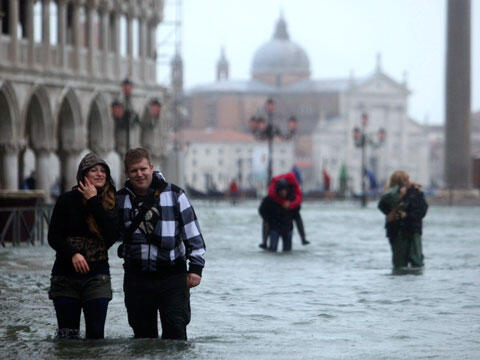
{"points": [[13, 29], [76, 36], [105, 34], [31, 41], [457, 127], [143, 46], [42, 170], [153, 35], [46, 33], [90, 38], [68, 168], [9, 156], [130, 44], [62, 32], [116, 44]]}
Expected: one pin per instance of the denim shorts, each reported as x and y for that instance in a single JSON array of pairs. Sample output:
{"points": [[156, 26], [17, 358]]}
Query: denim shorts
{"points": [[83, 289]]}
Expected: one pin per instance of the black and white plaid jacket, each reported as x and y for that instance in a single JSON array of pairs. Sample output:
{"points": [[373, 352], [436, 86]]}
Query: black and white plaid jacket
{"points": [[177, 232]]}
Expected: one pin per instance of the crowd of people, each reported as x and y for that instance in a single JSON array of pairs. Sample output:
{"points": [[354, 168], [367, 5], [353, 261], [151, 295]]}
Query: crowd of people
{"points": [[163, 248]]}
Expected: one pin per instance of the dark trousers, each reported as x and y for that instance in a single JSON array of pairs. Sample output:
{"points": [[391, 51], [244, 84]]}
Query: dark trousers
{"points": [[146, 295], [68, 317], [406, 249], [286, 239], [297, 218]]}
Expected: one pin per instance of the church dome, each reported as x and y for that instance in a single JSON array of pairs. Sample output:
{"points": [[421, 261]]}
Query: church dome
{"points": [[280, 56]]}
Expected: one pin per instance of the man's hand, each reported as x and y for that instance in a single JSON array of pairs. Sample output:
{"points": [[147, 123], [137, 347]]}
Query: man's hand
{"points": [[80, 264], [193, 280], [87, 189], [286, 204]]}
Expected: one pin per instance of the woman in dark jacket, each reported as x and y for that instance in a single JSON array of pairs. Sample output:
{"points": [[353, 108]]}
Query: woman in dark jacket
{"points": [[82, 229], [404, 206]]}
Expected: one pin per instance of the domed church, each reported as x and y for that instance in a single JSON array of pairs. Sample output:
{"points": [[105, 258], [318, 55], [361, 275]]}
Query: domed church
{"points": [[327, 111]]}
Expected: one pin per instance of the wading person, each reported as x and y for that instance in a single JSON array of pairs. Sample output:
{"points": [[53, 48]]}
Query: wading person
{"points": [[404, 206], [293, 203], [278, 217], [160, 234], [82, 228]]}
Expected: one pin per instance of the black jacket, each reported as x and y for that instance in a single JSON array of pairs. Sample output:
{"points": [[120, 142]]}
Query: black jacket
{"points": [[416, 209], [69, 220], [277, 217]]}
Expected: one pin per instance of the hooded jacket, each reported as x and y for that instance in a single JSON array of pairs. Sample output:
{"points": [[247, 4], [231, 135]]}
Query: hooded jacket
{"points": [[174, 238], [295, 187], [69, 232]]}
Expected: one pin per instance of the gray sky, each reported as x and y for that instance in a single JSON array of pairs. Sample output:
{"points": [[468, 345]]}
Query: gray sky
{"points": [[338, 35]]}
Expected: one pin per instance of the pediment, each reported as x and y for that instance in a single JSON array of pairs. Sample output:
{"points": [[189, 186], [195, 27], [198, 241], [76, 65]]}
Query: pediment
{"points": [[380, 84]]}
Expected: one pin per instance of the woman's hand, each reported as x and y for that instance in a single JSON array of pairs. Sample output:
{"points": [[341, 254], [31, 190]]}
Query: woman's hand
{"points": [[80, 264], [87, 189]]}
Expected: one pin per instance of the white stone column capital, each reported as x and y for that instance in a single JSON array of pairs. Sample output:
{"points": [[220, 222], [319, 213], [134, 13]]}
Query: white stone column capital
{"points": [[11, 147]]}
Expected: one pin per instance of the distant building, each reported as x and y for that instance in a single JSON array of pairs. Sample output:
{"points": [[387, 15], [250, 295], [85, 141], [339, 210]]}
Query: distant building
{"points": [[436, 136], [327, 111], [57, 83], [215, 157]]}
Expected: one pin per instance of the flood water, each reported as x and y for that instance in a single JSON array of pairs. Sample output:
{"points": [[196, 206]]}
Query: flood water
{"points": [[333, 299]]}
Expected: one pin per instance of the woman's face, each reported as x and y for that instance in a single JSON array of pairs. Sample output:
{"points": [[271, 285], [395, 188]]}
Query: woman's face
{"points": [[97, 175]]}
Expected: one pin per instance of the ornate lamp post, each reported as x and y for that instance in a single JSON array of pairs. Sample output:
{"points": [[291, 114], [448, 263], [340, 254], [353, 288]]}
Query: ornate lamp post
{"points": [[268, 131], [362, 139], [123, 113]]}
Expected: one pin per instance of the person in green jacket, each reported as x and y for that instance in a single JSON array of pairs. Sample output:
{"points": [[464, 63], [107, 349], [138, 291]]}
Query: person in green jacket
{"points": [[404, 205]]}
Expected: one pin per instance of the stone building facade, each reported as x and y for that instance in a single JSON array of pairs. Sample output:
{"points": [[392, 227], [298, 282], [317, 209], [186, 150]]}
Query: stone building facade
{"points": [[327, 111], [57, 82], [215, 157]]}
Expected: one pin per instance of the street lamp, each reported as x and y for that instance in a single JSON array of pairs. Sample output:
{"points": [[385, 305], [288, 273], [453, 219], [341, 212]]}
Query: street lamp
{"points": [[361, 140], [268, 131], [123, 113]]}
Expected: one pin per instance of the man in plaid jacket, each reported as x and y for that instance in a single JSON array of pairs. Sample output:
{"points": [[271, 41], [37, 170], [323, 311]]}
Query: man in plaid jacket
{"points": [[162, 247]]}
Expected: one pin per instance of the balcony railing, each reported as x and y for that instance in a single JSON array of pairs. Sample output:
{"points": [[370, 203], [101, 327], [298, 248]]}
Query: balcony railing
{"points": [[77, 64]]}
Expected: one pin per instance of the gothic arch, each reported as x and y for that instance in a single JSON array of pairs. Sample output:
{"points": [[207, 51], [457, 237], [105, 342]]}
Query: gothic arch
{"points": [[9, 114], [100, 136], [38, 123], [69, 123]]}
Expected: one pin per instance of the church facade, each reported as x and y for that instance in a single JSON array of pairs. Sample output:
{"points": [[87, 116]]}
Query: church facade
{"points": [[327, 111]]}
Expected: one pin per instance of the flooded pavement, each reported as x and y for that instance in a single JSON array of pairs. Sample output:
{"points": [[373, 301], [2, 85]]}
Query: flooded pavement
{"points": [[333, 299]]}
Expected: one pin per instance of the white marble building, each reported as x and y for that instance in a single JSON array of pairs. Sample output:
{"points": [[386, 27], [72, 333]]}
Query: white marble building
{"points": [[61, 65], [385, 101], [215, 157]]}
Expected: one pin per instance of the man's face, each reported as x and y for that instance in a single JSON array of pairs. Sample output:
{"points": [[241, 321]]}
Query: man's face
{"points": [[140, 175], [283, 193]]}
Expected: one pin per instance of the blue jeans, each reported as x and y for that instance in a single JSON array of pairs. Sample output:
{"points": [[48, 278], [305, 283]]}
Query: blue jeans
{"points": [[286, 239]]}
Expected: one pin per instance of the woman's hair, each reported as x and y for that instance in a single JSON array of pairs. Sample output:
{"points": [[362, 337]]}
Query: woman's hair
{"points": [[400, 178]]}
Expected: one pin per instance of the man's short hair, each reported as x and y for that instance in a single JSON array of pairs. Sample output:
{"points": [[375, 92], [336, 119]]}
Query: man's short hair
{"points": [[134, 156]]}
